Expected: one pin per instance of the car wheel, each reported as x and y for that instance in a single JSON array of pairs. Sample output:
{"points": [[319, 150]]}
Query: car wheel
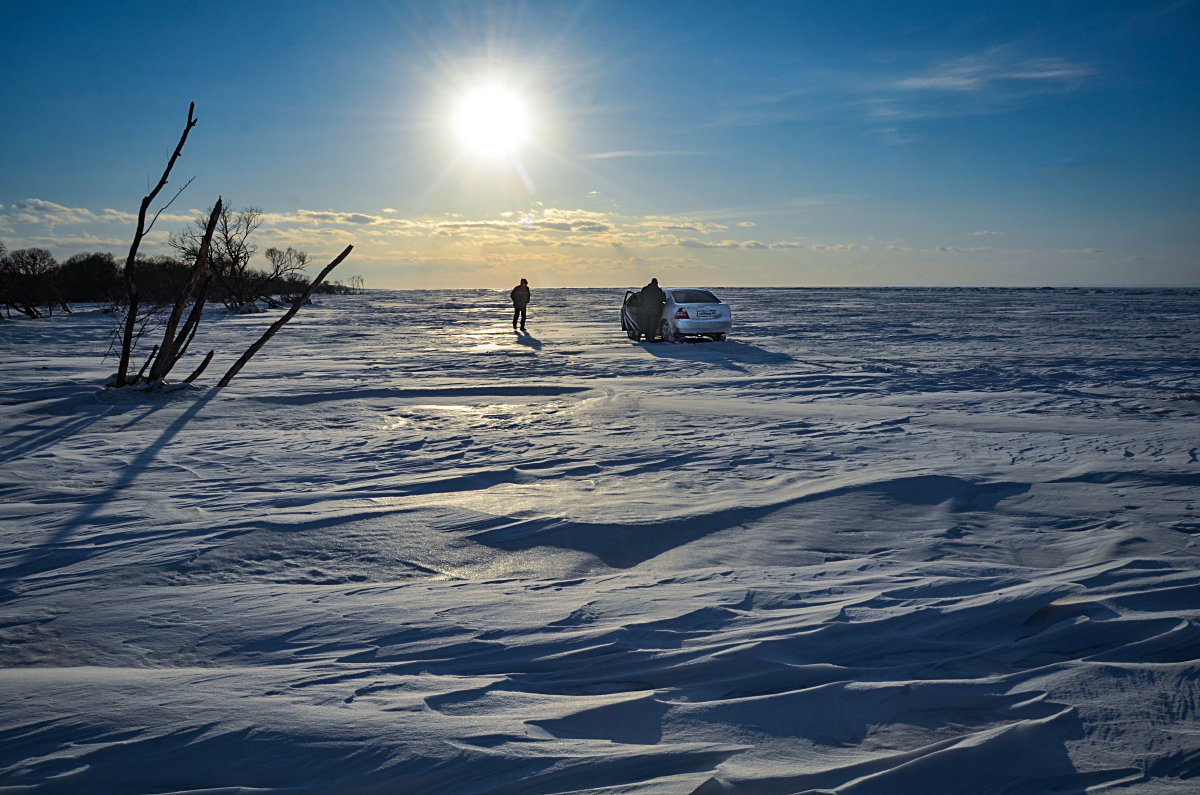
{"points": [[717, 337], [667, 333], [633, 335]]}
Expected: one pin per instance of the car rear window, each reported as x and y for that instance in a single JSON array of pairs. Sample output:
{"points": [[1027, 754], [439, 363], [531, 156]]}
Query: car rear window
{"points": [[694, 297]]}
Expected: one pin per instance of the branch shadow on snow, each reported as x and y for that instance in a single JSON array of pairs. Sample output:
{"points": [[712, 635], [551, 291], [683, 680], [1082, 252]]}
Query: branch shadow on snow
{"points": [[44, 556], [75, 410]]}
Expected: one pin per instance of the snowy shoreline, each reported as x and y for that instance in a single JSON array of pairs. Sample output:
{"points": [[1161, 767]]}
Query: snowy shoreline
{"points": [[880, 540]]}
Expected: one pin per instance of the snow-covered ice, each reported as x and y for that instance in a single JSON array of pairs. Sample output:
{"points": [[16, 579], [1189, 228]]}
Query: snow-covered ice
{"points": [[879, 541]]}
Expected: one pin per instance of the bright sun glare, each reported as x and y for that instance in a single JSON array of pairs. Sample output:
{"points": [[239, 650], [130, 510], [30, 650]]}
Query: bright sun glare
{"points": [[491, 121]]}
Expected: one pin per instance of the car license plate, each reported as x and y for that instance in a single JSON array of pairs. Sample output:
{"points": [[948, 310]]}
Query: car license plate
{"points": [[706, 313]]}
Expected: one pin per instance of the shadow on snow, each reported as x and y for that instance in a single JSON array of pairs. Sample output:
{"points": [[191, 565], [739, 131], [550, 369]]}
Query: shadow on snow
{"points": [[730, 354]]}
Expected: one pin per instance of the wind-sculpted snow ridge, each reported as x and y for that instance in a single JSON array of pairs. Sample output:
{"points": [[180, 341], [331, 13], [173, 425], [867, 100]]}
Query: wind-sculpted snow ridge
{"points": [[879, 541]]}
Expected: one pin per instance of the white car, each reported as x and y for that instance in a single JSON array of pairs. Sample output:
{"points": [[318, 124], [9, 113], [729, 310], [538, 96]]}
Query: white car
{"points": [[688, 312]]}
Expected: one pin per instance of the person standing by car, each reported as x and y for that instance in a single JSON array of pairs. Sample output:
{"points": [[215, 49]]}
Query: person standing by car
{"points": [[520, 299], [653, 299]]}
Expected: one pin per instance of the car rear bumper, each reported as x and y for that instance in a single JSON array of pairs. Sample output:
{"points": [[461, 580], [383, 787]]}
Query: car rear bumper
{"points": [[702, 326]]}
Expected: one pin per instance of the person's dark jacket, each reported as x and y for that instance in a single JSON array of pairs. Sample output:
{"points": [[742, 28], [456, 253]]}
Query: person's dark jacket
{"points": [[653, 299], [520, 296]]}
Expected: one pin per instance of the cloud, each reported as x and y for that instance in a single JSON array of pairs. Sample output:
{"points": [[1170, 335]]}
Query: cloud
{"points": [[941, 83], [997, 80], [382, 238], [42, 207], [836, 247], [80, 242], [452, 225], [666, 223], [40, 211], [329, 216], [925, 85], [693, 243], [995, 66], [570, 215], [316, 218], [589, 226], [1056, 69], [626, 153], [985, 233], [893, 136]]}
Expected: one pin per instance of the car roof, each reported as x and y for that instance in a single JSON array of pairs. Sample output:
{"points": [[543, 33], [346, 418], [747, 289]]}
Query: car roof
{"points": [[693, 289]]}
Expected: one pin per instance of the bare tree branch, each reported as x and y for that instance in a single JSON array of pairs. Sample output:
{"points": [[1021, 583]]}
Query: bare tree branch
{"points": [[130, 282], [188, 332], [153, 353], [278, 324], [167, 351], [163, 209], [200, 369]]}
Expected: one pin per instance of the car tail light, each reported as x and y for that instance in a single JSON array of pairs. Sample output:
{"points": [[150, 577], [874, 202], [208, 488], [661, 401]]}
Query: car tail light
{"points": [[681, 313]]}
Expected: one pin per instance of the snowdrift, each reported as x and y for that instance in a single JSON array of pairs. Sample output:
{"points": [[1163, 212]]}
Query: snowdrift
{"points": [[878, 541]]}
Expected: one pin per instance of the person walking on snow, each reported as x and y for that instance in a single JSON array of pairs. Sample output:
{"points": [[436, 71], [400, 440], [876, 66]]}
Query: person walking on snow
{"points": [[520, 299]]}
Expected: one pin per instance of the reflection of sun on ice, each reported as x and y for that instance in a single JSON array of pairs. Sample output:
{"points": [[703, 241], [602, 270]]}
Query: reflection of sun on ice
{"points": [[491, 121]]}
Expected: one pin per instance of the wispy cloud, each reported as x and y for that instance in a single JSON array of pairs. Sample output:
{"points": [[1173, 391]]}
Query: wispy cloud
{"points": [[963, 249], [999, 65], [997, 80], [316, 217], [627, 153], [893, 136], [689, 242], [993, 80]]}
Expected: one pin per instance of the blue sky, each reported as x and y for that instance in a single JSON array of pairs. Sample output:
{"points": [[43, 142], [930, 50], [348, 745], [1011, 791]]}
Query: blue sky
{"points": [[775, 143]]}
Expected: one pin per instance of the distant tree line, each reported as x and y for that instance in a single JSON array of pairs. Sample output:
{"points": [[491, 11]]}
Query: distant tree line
{"points": [[34, 284], [166, 296]]}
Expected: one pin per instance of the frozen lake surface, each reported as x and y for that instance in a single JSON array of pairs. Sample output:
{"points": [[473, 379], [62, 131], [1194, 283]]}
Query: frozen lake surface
{"points": [[878, 541]]}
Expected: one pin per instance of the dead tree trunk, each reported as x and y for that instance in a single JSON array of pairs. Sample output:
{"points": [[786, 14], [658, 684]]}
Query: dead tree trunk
{"points": [[278, 324], [168, 352], [176, 339], [188, 332], [196, 373], [153, 352], [131, 292]]}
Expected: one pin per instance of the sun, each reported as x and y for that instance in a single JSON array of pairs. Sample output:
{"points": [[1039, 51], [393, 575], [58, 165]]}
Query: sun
{"points": [[491, 121]]}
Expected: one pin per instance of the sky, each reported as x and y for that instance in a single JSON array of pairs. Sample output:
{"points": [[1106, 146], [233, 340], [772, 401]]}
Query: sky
{"points": [[704, 143]]}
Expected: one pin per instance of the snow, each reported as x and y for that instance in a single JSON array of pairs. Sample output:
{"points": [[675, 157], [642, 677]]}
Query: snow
{"points": [[879, 541]]}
